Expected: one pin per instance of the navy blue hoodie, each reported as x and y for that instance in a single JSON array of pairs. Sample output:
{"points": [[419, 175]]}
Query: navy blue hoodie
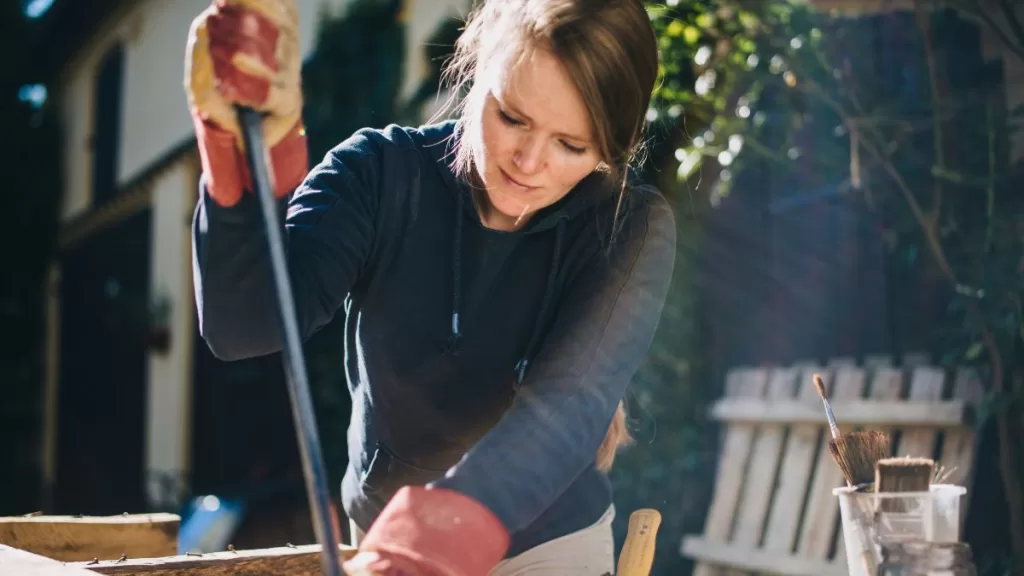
{"points": [[481, 361]]}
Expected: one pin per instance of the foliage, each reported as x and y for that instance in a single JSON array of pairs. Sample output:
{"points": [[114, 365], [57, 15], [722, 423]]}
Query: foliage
{"points": [[917, 133]]}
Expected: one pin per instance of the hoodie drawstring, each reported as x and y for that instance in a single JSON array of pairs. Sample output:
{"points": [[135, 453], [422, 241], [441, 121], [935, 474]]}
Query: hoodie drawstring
{"points": [[549, 292], [453, 341]]}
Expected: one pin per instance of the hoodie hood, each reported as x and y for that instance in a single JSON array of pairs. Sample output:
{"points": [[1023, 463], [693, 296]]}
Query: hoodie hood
{"points": [[441, 141]]}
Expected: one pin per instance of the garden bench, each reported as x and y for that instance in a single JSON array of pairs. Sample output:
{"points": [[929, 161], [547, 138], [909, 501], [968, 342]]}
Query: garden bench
{"points": [[773, 510]]}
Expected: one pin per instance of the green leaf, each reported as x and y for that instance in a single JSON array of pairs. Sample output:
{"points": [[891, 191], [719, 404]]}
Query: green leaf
{"points": [[705, 20], [747, 19], [675, 28], [692, 35], [974, 351]]}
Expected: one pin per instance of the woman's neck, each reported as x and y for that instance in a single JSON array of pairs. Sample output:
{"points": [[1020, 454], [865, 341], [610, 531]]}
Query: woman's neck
{"points": [[490, 217]]}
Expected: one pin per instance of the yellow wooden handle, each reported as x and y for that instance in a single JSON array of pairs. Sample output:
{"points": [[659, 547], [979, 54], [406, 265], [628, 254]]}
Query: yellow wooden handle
{"points": [[637, 555]]}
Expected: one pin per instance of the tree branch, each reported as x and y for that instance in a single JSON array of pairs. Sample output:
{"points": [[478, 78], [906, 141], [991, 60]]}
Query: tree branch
{"points": [[925, 27]]}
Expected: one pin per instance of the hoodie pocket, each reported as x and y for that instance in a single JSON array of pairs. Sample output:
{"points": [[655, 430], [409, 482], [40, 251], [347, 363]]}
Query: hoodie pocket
{"points": [[387, 473]]}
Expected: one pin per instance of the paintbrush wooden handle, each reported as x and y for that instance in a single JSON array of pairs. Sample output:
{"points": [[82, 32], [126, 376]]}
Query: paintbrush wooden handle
{"points": [[637, 555]]}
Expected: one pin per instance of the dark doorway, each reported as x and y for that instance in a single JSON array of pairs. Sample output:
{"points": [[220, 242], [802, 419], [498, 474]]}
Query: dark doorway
{"points": [[101, 422]]}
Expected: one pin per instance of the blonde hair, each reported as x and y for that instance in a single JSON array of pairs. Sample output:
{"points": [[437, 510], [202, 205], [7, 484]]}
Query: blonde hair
{"points": [[610, 51]]}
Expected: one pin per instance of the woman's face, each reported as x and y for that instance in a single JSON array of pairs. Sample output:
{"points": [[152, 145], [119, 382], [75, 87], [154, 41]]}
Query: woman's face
{"points": [[535, 141]]}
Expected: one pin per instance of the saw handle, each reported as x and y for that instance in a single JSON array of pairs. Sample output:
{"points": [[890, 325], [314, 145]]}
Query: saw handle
{"points": [[637, 555]]}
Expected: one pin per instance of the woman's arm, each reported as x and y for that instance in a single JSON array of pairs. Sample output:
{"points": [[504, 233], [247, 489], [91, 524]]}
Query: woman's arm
{"points": [[329, 226], [602, 331]]}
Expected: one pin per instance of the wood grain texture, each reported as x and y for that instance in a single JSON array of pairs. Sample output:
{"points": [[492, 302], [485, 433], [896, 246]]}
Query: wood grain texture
{"points": [[72, 538], [16, 562], [286, 560]]}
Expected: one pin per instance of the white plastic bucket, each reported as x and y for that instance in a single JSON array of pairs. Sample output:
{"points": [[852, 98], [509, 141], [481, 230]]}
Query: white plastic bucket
{"points": [[932, 516]]}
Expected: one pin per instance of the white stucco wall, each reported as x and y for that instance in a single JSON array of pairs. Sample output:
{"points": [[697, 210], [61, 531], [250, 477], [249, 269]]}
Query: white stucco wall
{"points": [[169, 374]]}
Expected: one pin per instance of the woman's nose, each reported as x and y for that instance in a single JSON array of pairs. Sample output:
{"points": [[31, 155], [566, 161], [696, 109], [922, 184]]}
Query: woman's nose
{"points": [[529, 156]]}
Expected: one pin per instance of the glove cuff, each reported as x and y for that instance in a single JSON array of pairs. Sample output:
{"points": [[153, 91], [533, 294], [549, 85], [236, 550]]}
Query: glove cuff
{"points": [[227, 170], [442, 530]]}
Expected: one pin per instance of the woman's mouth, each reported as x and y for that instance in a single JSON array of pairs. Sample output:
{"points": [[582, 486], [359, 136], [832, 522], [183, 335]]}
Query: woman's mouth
{"points": [[515, 183]]}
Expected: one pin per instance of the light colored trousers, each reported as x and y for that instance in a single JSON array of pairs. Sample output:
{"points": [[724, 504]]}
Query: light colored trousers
{"points": [[587, 552]]}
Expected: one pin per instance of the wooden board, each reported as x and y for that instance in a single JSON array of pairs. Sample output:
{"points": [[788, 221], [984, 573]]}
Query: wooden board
{"points": [[757, 561], [735, 451], [73, 538], [15, 562], [289, 560], [867, 412], [762, 466], [795, 472]]}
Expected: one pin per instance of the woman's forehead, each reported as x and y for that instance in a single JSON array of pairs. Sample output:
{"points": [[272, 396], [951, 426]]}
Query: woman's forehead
{"points": [[538, 88]]}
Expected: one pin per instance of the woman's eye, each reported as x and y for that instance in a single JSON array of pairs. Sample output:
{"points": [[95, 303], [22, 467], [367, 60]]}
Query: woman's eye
{"points": [[508, 119], [573, 149]]}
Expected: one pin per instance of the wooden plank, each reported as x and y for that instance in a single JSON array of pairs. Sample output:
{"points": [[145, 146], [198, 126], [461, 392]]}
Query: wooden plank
{"points": [[960, 444], [757, 561], [291, 560], [926, 385], [731, 464], [795, 473], [822, 512], [73, 538], [912, 413], [764, 460], [16, 562]]}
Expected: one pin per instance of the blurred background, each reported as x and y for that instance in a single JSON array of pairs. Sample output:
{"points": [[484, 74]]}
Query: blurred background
{"points": [[843, 175]]}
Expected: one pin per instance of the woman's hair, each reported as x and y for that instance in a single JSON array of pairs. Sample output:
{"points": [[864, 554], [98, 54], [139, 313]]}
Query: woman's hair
{"points": [[610, 51], [608, 48]]}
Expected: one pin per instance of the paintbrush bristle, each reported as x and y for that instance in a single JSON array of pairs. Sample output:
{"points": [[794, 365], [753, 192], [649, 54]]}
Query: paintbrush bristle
{"points": [[819, 385], [857, 453], [904, 474]]}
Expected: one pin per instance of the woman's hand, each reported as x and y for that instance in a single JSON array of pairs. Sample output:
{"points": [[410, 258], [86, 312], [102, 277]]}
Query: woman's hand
{"points": [[430, 532], [246, 53]]}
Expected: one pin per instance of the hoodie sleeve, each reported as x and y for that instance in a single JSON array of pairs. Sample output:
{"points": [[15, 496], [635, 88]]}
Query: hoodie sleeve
{"points": [[601, 333], [329, 226]]}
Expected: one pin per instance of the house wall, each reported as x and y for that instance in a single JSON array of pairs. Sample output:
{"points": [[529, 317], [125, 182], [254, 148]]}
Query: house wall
{"points": [[169, 373]]}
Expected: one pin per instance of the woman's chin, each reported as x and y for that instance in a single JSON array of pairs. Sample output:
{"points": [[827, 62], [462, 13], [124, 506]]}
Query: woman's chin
{"points": [[506, 211]]}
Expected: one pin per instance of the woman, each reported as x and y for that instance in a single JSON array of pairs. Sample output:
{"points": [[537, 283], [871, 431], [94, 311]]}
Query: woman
{"points": [[502, 274]]}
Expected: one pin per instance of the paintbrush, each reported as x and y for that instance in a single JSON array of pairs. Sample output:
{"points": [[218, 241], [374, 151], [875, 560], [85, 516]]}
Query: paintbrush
{"points": [[906, 474], [855, 453]]}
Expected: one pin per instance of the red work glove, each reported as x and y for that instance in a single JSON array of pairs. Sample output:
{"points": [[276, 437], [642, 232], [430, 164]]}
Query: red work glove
{"points": [[431, 532], [246, 52]]}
